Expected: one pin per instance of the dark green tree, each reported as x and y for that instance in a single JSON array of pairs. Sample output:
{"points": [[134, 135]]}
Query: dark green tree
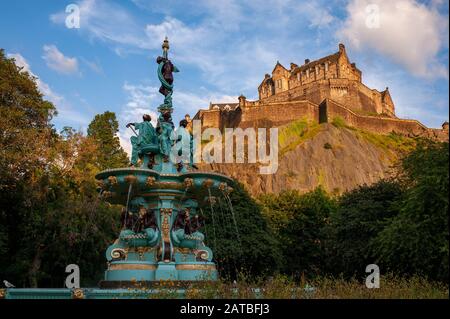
{"points": [[103, 129], [300, 220], [362, 213], [417, 239], [251, 247]]}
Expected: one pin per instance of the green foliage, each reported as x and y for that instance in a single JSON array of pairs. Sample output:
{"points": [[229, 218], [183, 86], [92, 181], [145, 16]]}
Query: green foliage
{"points": [[361, 215], [251, 246], [416, 240], [399, 224], [339, 122], [49, 212], [103, 129], [299, 220], [393, 143]]}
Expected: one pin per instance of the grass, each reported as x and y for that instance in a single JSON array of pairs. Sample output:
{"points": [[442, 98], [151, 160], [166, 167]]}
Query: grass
{"points": [[339, 122], [295, 133], [389, 142], [283, 287], [394, 144]]}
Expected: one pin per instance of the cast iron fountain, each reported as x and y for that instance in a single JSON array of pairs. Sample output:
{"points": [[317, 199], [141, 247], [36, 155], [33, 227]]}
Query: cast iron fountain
{"points": [[161, 238]]}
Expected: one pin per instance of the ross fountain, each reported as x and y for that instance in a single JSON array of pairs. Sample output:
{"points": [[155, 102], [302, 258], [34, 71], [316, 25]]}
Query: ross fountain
{"points": [[161, 236]]}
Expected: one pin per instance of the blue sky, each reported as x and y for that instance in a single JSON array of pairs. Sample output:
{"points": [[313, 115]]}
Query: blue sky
{"points": [[223, 49]]}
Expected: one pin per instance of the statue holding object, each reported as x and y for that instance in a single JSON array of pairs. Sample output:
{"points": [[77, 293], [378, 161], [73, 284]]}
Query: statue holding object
{"points": [[147, 136], [165, 76]]}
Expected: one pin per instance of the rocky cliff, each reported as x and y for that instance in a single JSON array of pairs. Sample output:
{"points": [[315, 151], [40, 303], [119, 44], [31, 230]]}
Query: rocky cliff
{"points": [[333, 156]]}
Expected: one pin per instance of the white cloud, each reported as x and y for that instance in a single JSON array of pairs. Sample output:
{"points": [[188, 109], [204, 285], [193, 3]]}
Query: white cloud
{"points": [[57, 61], [410, 33], [65, 111]]}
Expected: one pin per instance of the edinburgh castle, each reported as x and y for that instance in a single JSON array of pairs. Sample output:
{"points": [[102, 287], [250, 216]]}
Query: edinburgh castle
{"points": [[319, 91]]}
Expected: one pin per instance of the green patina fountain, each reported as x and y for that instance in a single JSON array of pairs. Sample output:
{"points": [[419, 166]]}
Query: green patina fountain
{"points": [[161, 241], [161, 238]]}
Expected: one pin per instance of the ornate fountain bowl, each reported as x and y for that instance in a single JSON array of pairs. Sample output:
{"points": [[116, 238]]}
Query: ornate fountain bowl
{"points": [[114, 184]]}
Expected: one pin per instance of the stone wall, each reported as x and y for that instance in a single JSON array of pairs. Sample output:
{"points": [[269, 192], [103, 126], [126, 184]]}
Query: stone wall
{"points": [[277, 113], [379, 125]]}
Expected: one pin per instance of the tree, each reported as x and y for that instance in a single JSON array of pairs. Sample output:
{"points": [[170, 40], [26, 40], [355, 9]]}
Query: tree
{"points": [[300, 220], [50, 215], [417, 239], [103, 129], [249, 248], [362, 213], [26, 140]]}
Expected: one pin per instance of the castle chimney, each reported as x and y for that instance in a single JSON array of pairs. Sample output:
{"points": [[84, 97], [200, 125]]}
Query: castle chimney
{"points": [[341, 47], [353, 65], [266, 76], [242, 100], [445, 126], [307, 61], [293, 66]]}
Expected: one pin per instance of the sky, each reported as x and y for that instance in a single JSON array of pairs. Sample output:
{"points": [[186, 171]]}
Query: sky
{"points": [[223, 49]]}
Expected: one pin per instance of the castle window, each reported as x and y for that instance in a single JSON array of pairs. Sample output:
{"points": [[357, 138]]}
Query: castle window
{"points": [[279, 84], [307, 73], [326, 66], [317, 70], [298, 76]]}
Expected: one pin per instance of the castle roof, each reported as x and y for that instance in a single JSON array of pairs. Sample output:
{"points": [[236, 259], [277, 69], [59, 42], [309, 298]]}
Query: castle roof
{"points": [[331, 58], [279, 64]]}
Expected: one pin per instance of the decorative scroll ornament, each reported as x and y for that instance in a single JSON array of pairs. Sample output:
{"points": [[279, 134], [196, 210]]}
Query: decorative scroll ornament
{"points": [[201, 254], [118, 254]]}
